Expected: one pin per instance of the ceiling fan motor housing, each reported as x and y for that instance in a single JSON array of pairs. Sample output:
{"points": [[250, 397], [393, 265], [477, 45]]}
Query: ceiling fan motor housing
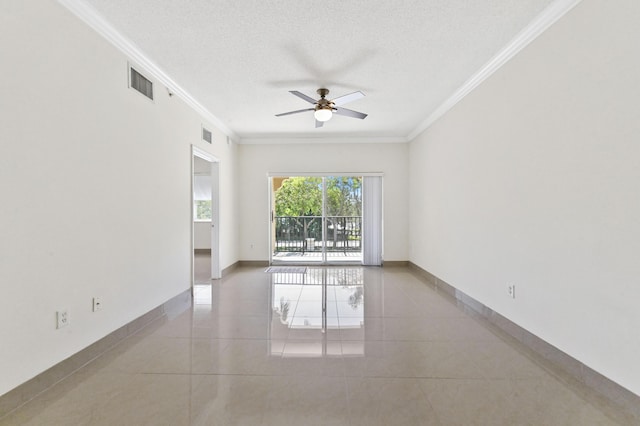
{"points": [[322, 102]]}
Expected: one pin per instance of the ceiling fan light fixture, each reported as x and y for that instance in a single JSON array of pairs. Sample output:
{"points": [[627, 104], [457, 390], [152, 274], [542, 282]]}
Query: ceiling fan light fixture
{"points": [[323, 114]]}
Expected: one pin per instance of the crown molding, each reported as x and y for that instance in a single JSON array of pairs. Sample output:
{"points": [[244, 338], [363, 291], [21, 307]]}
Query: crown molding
{"points": [[285, 140], [540, 24], [94, 20]]}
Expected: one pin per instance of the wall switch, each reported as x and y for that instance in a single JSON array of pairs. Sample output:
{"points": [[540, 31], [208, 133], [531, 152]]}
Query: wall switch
{"points": [[97, 304], [512, 290], [62, 318]]}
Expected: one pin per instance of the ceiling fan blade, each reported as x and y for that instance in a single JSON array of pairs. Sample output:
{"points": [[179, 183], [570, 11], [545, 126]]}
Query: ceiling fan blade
{"points": [[319, 123], [294, 112], [350, 113], [348, 98], [303, 96]]}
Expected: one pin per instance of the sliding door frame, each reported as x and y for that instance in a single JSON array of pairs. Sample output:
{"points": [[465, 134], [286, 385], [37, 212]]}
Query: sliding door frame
{"points": [[270, 212]]}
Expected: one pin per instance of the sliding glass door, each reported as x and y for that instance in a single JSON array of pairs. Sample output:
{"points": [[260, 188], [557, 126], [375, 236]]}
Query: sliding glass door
{"points": [[316, 219], [343, 218]]}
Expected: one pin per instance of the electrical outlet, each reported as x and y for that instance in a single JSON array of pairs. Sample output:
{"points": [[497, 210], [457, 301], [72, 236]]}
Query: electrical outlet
{"points": [[511, 289], [62, 318], [97, 304]]}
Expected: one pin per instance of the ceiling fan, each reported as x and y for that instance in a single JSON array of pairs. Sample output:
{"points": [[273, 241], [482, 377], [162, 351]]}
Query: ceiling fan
{"points": [[325, 108]]}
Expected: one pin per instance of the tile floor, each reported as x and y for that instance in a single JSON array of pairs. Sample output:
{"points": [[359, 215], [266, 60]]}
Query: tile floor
{"points": [[333, 346]]}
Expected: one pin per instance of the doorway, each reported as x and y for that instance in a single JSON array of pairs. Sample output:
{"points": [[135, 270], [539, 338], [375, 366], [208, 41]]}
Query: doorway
{"points": [[316, 219], [205, 218]]}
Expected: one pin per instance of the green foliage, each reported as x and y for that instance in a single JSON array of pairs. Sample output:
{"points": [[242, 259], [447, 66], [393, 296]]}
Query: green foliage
{"points": [[299, 196], [203, 209], [302, 196], [344, 196]]}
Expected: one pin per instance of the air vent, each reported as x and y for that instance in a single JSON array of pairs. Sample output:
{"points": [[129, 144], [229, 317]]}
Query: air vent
{"points": [[206, 135], [141, 84]]}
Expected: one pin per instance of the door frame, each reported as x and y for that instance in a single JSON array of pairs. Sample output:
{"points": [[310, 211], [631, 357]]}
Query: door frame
{"points": [[215, 209], [271, 175]]}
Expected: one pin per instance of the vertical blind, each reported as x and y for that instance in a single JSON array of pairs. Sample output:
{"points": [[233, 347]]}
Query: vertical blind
{"points": [[372, 220]]}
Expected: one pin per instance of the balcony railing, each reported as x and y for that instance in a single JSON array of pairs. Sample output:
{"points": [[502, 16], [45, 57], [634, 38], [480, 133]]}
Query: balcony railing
{"points": [[304, 233]]}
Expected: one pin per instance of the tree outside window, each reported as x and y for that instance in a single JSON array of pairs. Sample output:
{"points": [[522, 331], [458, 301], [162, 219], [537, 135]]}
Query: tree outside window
{"points": [[202, 209]]}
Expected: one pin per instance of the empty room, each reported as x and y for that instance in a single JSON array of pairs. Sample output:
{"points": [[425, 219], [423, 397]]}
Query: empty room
{"points": [[319, 212]]}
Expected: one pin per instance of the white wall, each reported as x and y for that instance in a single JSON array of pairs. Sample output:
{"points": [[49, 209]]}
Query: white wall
{"points": [[80, 150], [201, 167], [258, 160], [202, 235], [533, 179]]}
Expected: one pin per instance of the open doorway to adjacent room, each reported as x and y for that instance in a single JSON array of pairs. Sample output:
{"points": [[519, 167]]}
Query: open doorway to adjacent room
{"points": [[205, 218]]}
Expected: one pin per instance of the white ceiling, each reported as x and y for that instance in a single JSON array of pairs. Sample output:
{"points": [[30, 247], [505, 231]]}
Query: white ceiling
{"points": [[240, 58]]}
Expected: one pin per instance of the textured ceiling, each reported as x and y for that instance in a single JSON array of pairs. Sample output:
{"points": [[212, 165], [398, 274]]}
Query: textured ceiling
{"points": [[240, 58]]}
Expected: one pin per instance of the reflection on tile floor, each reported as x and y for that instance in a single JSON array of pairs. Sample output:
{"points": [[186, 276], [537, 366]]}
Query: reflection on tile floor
{"points": [[332, 346], [202, 268]]}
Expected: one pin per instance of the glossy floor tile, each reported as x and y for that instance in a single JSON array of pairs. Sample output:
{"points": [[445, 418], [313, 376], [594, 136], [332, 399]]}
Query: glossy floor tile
{"points": [[331, 346]]}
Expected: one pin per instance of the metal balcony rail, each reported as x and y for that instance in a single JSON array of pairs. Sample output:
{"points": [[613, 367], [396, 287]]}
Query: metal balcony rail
{"points": [[304, 233]]}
